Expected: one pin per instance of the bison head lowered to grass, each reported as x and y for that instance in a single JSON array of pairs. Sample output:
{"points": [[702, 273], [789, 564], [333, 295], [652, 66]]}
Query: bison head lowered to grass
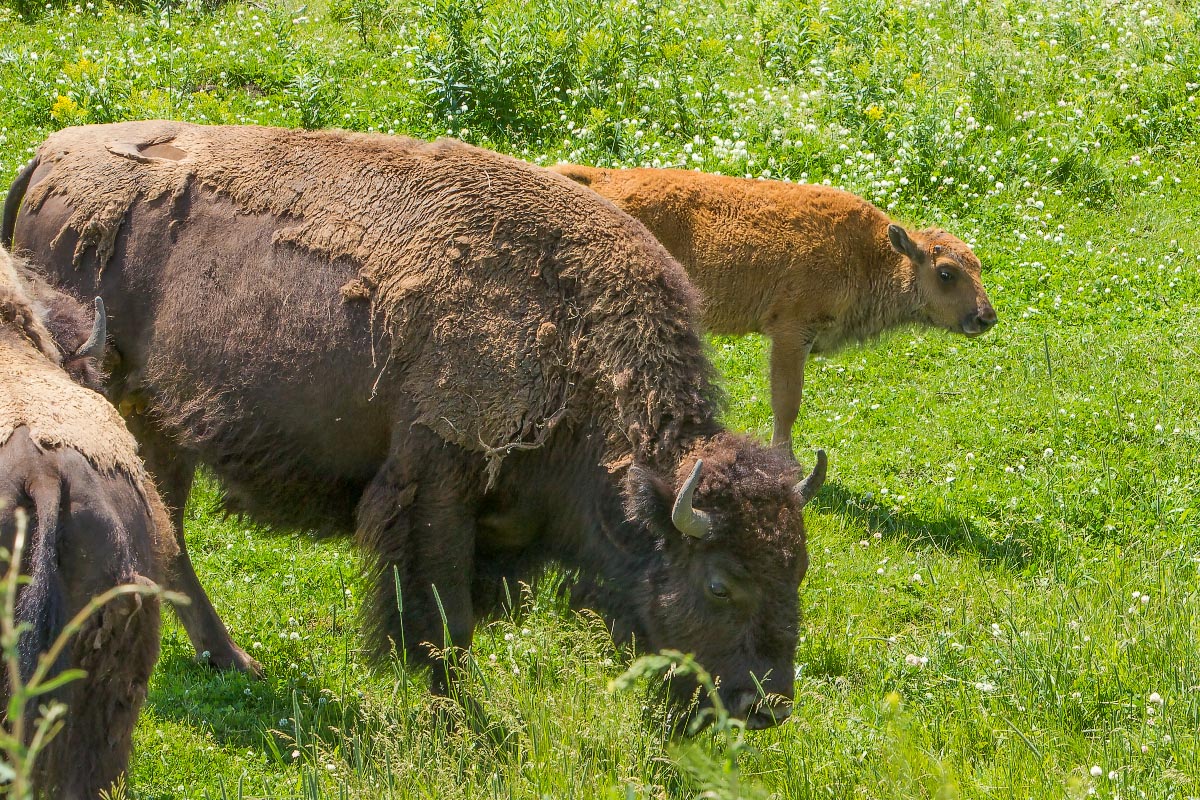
{"points": [[95, 521], [475, 364]]}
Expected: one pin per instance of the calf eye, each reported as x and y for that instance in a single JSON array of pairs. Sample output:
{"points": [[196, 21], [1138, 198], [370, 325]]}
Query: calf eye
{"points": [[718, 589], [945, 275]]}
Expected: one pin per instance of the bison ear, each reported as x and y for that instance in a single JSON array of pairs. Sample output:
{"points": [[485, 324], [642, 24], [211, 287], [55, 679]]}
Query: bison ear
{"points": [[648, 499], [904, 245]]}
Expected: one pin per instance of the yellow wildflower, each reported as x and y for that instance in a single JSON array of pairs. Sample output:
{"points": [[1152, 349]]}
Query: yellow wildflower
{"points": [[65, 109]]}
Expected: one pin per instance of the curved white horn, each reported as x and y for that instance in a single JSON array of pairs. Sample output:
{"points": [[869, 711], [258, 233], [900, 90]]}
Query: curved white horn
{"points": [[94, 346], [807, 489], [688, 520]]}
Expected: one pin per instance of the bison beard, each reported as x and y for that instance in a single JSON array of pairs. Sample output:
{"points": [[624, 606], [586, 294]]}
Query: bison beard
{"points": [[475, 364]]}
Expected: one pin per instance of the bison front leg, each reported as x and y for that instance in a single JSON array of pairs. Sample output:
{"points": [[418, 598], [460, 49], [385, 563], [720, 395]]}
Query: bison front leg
{"points": [[416, 525], [116, 648], [789, 351], [173, 471]]}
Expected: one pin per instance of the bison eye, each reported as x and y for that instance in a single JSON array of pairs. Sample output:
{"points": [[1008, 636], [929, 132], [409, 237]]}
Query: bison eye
{"points": [[718, 589], [945, 275]]}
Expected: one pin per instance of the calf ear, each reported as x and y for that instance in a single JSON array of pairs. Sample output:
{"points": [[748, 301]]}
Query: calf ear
{"points": [[904, 245]]}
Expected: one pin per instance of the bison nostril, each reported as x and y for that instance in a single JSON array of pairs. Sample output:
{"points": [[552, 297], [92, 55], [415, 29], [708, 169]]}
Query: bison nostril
{"points": [[758, 712], [766, 715]]}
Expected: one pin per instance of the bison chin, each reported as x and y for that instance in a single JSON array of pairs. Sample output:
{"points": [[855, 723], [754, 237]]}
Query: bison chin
{"points": [[692, 710]]}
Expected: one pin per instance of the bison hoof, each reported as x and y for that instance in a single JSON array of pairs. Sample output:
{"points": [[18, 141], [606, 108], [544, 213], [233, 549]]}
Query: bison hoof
{"points": [[232, 657]]}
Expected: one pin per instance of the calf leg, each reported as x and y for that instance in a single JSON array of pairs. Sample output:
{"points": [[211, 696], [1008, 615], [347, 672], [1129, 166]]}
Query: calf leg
{"points": [[789, 351], [415, 523], [173, 472]]}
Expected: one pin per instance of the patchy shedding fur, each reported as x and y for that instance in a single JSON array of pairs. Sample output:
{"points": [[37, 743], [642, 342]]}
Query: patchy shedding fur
{"points": [[811, 267], [59, 442], [28, 381], [501, 281], [18, 314], [35, 393], [474, 364]]}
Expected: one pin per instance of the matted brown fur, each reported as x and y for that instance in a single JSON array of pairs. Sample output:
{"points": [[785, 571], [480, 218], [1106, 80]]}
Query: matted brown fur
{"points": [[473, 364], [17, 313], [57, 413], [812, 267], [497, 399], [36, 393], [95, 521]]}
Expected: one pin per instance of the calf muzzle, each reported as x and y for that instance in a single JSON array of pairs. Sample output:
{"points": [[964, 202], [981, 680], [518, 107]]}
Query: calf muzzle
{"points": [[980, 321]]}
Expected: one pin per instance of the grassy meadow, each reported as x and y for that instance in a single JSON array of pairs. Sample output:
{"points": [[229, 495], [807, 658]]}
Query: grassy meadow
{"points": [[1004, 598]]}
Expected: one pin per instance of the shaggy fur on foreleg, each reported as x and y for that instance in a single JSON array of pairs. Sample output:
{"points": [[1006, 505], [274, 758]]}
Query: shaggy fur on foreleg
{"points": [[415, 523]]}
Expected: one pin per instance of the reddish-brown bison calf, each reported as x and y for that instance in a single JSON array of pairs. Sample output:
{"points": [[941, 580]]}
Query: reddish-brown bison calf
{"points": [[813, 268], [95, 521]]}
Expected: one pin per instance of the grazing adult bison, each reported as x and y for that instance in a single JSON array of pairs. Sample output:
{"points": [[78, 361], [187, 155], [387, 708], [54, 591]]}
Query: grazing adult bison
{"points": [[69, 466], [474, 364], [811, 267]]}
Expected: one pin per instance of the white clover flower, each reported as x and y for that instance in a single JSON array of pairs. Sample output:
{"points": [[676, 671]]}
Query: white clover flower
{"points": [[1096, 771], [916, 661], [1155, 698]]}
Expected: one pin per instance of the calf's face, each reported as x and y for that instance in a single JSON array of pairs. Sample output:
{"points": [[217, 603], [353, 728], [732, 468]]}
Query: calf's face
{"points": [[948, 280]]}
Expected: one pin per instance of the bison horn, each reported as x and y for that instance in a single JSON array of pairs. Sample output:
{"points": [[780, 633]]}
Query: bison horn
{"points": [[807, 489], [688, 520], [94, 346]]}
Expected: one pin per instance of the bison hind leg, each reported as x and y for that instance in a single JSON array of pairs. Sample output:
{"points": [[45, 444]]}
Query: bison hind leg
{"points": [[117, 648]]}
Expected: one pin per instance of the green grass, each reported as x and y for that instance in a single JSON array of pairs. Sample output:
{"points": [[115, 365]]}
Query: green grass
{"points": [[1041, 481]]}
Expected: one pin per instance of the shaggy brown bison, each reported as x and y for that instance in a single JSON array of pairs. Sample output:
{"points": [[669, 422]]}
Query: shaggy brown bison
{"points": [[95, 521], [475, 364], [811, 267]]}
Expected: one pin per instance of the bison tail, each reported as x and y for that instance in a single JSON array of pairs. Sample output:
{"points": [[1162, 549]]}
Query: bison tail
{"points": [[12, 203], [42, 606]]}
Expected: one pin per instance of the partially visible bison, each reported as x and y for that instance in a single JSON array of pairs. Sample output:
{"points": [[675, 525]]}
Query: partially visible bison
{"points": [[475, 364], [94, 521], [811, 267]]}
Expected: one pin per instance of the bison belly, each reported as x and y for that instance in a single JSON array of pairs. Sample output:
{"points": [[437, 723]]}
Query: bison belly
{"points": [[246, 352]]}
